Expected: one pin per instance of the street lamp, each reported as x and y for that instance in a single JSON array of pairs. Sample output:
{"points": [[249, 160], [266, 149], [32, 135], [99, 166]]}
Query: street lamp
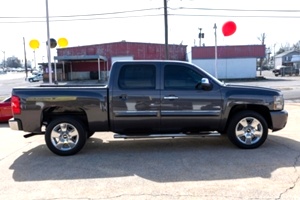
{"points": [[201, 35]]}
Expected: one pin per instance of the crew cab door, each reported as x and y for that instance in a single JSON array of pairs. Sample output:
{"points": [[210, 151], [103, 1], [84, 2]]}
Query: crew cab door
{"points": [[185, 108], [135, 102]]}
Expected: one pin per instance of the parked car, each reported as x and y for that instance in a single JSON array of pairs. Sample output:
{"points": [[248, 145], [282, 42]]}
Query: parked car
{"points": [[286, 70], [35, 77], [276, 70], [289, 70], [5, 110]]}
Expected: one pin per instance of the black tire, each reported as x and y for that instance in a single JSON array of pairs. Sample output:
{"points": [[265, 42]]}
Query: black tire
{"points": [[90, 134], [247, 130], [30, 80], [65, 142]]}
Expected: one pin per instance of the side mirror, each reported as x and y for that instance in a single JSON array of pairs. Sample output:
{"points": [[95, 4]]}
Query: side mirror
{"points": [[204, 84]]}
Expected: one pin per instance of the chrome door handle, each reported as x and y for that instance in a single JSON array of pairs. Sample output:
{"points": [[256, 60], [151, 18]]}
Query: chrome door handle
{"points": [[171, 97]]}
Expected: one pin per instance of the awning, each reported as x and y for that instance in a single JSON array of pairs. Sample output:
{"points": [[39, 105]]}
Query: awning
{"points": [[63, 59], [80, 58], [295, 58]]}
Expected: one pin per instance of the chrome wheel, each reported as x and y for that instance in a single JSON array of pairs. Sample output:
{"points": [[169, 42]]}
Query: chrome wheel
{"points": [[64, 136], [249, 131]]}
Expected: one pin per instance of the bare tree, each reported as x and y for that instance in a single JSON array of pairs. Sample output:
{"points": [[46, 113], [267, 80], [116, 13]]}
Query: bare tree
{"points": [[283, 48], [297, 46], [262, 39]]}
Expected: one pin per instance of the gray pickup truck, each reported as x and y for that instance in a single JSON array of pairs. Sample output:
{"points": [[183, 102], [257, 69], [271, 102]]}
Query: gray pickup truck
{"points": [[148, 99]]}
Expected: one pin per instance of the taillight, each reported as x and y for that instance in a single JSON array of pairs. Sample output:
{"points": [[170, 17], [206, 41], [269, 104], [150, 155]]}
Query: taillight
{"points": [[15, 105]]}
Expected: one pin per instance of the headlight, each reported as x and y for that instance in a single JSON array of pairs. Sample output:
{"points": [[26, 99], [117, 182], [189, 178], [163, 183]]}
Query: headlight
{"points": [[278, 102]]}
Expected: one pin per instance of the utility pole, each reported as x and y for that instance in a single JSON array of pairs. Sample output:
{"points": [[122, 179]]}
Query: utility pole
{"points": [[25, 60], [34, 59], [166, 30], [216, 51], [274, 55], [48, 46]]}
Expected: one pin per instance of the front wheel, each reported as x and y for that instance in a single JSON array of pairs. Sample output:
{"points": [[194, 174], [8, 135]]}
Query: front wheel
{"points": [[90, 134], [247, 130], [65, 136]]}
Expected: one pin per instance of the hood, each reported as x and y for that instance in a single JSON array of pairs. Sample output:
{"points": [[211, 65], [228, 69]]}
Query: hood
{"points": [[244, 89]]}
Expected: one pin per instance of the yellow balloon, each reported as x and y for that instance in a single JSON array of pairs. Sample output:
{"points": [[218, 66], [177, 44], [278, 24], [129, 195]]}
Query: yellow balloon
{"points": [[62, 42], [34, 44]]}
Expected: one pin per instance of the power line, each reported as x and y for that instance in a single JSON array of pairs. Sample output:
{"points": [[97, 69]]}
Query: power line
{"points": [[93, 16], [242, 16], [238, 10], [65, 20], [86, 15]]}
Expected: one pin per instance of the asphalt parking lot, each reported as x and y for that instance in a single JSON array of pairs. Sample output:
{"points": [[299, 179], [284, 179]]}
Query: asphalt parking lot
{"points": [[189, 168]]}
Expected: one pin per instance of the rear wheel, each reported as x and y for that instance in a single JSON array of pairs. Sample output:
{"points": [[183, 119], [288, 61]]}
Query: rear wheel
{"points": [[65, 136], [247, 130]]}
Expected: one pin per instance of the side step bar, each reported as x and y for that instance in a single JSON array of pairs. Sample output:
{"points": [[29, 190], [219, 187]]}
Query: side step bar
{"points": [[32, 134], [169, 135]]}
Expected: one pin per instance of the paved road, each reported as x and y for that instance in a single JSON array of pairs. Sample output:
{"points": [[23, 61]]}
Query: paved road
{"points": [[195, 168], [289, 85], [13, 79]]}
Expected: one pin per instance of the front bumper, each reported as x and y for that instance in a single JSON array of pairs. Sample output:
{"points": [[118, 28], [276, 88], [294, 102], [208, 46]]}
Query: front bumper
{"points": [[279, 119], [15, 124]]}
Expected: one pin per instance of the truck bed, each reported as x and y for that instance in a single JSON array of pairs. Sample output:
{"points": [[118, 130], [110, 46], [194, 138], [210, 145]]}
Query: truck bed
{"points": [[87, 101]]}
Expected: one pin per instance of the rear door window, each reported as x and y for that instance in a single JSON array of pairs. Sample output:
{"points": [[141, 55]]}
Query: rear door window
{"points": [[138, 76]]}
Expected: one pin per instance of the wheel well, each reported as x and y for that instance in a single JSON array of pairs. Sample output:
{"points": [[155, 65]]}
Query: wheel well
{"points": [[51, 113], [262, 110]]}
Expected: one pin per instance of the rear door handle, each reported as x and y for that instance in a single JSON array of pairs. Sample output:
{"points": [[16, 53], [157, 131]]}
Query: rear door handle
{"points": [[123, 97], [170, 97]]}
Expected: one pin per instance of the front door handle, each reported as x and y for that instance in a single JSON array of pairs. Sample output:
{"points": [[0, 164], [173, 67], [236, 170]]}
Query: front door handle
{"points": [[171, 97]]}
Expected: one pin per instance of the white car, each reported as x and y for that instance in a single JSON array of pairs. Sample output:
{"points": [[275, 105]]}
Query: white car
{"points": [[35, 77]]}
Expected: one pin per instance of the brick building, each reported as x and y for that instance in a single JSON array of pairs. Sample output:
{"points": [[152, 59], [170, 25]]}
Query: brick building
{"points": [[94, 61]]}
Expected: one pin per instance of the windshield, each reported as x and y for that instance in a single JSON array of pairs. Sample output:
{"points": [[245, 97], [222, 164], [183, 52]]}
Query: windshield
{"points": [[209, 75]]}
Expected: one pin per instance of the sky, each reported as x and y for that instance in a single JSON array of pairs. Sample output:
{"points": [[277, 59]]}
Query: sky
{"points": [[88, 22]]}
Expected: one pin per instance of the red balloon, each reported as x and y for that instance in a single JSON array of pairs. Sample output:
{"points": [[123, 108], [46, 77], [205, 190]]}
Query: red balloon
{"points": [[229, 28]]}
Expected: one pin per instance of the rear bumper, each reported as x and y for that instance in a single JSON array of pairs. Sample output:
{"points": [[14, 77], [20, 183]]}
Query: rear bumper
{"points": [[15, 124], [279, 119]]}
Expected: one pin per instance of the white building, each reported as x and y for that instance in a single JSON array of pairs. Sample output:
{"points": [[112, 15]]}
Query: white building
{"points": [[232, 62]]}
